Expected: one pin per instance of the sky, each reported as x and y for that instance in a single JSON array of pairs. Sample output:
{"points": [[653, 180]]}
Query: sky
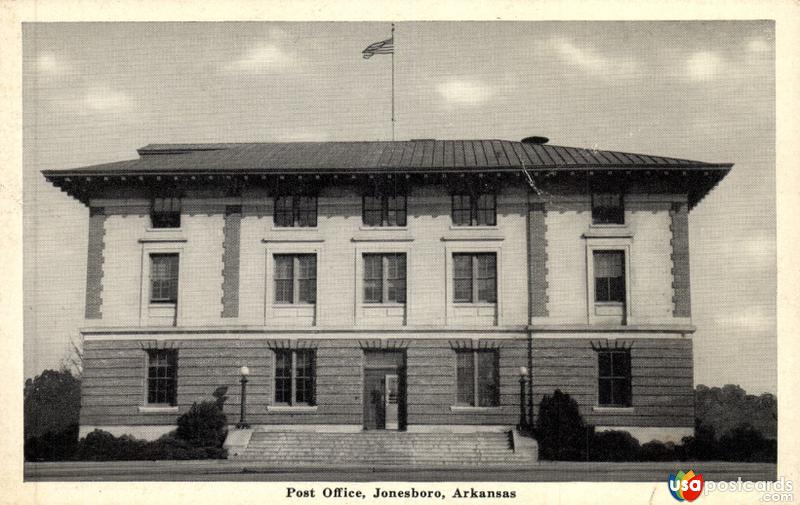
{"points": [[94, 92]]}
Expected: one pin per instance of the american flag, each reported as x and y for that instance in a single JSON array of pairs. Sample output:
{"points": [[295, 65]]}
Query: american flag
{"points": [[382, 47]]}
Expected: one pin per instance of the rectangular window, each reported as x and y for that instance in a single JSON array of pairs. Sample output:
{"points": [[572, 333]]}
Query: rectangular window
{"points": [[165, 213], [475, 277], [614, 378], [164, 278], [384, 210], [295, 211], [162, 376], [474, 210], [477, 378], [295, 278], [607, 208], [609, 276], [294, 376], [385, 278]]}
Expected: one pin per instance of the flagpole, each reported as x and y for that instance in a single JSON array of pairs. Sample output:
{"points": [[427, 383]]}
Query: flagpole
{"points": [[393, 46]]}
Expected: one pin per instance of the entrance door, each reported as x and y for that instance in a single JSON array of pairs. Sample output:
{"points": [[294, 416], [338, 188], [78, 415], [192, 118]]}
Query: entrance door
{"points": [[375, 398], [384, 390]]}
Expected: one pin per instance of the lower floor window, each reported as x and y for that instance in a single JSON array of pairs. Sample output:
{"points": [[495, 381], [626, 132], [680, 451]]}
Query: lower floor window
{"points": [[294, 376], [477, 378], [614, 378], [162, 376]]}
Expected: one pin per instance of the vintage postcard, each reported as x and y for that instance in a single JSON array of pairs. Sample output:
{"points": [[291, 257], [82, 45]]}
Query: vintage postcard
{"points": [[402, 260]]}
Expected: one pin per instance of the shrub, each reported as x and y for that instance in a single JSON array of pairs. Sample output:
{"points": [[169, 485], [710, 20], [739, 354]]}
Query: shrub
{"points": [[745, 443], [560, 430], [614, 446], [203, 426], [220, 397], [51, 407], [103, 446], [52, 446], [702, 446], [200, 435], [660, 451]]}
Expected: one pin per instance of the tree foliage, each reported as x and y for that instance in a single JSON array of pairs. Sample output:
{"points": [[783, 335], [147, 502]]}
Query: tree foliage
{"points": [[724, 409], [52, 402]]}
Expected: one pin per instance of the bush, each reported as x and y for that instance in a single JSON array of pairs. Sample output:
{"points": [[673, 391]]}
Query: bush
{"points": [[562, 434], [52, 403], [614, 446], [200, 435], [203, 426], [52, 446], [103, 446], [560, 430], [659, 451], [702, 446], [745, 443]]}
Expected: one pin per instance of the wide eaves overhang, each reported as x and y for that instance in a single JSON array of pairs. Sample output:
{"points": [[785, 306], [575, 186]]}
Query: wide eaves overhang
{"points": [[247, 163]]}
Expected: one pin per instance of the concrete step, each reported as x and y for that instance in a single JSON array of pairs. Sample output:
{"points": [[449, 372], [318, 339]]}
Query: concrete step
{"points": [[383, 448]]}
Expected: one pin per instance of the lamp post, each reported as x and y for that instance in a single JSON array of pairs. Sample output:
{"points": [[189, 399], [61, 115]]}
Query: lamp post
{"points": [[244, 372], [523, 423]]}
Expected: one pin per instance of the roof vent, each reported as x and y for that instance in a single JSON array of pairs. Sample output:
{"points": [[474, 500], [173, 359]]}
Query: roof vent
{"points": [[535, 140]]}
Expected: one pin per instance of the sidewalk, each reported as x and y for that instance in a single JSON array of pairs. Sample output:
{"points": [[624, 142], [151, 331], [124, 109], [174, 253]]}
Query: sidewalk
{"points": [[543, 471]]}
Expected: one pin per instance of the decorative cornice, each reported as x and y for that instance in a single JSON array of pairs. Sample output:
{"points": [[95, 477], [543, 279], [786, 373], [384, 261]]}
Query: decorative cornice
{"points": [[256, 331], [630, 328]]}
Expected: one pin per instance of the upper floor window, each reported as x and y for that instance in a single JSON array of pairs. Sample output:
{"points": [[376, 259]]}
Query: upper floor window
{"points": [[609, 276], [385, 278], [475, 277], [162, 376], [607, 208], [165, 213], [477, 378], [474, 210], [164, 278], [294, 376], [614, 378], [295, 211], [384, 210], [295, 278]]}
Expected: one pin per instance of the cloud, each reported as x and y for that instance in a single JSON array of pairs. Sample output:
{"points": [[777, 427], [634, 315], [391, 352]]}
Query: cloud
{"points": [[103, 99], [755, 319], [47, 63], [464, 92], [759, 250], [269, 56], [758, 46], [704, 66], [591, 61], [265, 58]]}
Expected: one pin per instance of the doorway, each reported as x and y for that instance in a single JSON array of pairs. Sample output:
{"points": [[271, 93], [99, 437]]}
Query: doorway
{"points": [[384, 390]]}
